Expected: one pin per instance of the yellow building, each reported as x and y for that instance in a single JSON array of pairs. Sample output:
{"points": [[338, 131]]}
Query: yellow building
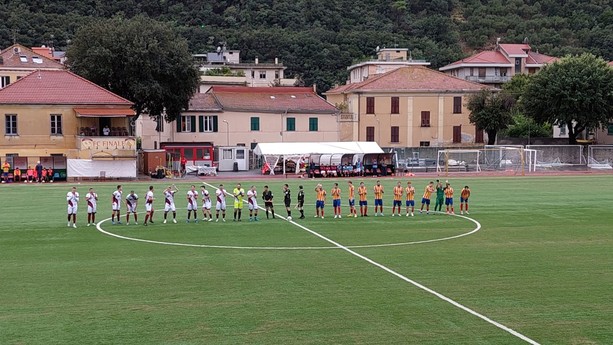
{"points": [[407, 107], [18, 61], [53, 116]]}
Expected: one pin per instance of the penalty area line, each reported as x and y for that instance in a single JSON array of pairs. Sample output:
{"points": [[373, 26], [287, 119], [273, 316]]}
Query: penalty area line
{"points": [[412, 282]]}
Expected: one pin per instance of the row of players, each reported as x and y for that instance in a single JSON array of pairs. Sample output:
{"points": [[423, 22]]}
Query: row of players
{"points": [[444, 195]]}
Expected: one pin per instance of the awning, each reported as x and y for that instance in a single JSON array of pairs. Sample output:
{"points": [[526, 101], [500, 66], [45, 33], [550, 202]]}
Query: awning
{"points": [[104, 112], [299, 149]]}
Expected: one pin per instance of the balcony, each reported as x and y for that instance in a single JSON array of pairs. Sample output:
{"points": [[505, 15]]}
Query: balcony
{"points": [[488, 79]]}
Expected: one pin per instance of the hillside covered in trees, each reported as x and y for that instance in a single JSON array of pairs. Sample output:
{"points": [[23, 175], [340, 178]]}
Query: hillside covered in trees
{"points": [[318, 39]]}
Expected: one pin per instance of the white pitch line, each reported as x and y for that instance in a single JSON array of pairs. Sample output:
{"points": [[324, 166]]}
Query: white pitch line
{"points": [[410, 281]]}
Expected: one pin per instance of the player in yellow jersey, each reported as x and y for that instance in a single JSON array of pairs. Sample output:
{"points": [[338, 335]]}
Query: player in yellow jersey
{"points": [[398, 191], [362, 192], [321, 201], [238, 194], [464, 195], [352, 210], [410, 193], [425, 200], [378, 198], [336, 200], [448, 198]]}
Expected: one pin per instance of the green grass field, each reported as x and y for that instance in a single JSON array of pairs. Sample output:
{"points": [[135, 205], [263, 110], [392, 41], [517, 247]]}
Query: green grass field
{"points": [[542, 265]]}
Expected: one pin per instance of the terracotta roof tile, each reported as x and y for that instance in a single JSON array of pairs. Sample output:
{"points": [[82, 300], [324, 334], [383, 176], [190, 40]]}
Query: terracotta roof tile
{"points": [[539, 59], [486, 57], [515, 49], [411, 78], [18, 56], [57, 87], [271, 99], [203, 102]]}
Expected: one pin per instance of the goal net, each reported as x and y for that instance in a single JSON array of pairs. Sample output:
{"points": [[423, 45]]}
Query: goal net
{"points": [[600, 157], [558, 156], [491, 158]]}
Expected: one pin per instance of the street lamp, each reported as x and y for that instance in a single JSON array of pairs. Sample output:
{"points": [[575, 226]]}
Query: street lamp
{"points": [[227, 133]]}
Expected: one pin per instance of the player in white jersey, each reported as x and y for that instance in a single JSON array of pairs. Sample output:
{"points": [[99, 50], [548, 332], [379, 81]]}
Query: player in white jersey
{"points": [[192, 203], [72, 198], [92, 202], [221, 203], [206, 203], [149, 206], [131, 203], [169, 203], [116, 205], [252, 201]]}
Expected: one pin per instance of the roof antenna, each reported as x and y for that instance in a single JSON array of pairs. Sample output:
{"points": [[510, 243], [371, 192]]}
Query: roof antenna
{"points": [[39, 76]]}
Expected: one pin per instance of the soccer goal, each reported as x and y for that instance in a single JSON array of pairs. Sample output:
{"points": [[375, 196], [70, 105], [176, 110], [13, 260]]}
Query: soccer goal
{"points": [[492, 158], [600, 157], [558, 156]]}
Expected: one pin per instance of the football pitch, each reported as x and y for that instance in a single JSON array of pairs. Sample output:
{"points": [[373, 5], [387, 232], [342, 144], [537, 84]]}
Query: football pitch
{"points": [[532, 263]]}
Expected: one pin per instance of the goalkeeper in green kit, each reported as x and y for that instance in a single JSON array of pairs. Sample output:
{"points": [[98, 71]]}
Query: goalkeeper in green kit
{"points": [[440, 196]]}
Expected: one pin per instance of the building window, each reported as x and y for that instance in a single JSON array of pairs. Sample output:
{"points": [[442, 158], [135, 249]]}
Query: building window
{"points": [[478, 136], [290, 124], [457, 134], [395, 134], [4, 81], [262, 74], [313, 124], [370, 105], [610, 129], [425, 119], [188, 124], [276, 74], [252, 74], [562, 129], [457, 105], [424, 143], [395, 105], [10, 124], [503, 72], [255, 123], [56, 124], [482, 72], [370, 133], [208, 123]]}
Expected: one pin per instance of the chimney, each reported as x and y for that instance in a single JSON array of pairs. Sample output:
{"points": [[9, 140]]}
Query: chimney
{"points": [[257, 61], [276, 61], [315, 88]]}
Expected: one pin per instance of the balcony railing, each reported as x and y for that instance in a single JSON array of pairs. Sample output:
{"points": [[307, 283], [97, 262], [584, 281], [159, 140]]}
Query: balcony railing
{"points": [[488, 79]]}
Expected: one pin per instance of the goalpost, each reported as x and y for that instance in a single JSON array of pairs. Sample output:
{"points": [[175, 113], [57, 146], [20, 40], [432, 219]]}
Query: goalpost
{"points": [[492, 158], [600, 157], [557, 156]]}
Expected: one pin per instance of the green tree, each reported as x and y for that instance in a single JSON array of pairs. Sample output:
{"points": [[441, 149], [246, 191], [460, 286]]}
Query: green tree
{"points": [[140, 59], [491, 112], [526, 127], [575, 91]]}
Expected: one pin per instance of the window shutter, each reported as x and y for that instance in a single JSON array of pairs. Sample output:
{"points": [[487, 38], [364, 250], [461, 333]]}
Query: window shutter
{"points": [[178, 120], [215, 126], [200, 123]]}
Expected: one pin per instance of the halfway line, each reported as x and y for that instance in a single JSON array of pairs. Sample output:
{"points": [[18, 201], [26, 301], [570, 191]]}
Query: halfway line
{"points": [[410, 281]]}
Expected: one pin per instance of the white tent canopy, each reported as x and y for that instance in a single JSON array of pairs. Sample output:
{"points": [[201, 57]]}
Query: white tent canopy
{"points": [[305, 149], [275, 151]]}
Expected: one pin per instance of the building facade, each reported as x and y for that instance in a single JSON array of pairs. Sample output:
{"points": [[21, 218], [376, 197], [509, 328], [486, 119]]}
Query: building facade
{"points": [[499, 65], [18, 61], [387, 59], [245, 116], [54, 115], [407, 107]]}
